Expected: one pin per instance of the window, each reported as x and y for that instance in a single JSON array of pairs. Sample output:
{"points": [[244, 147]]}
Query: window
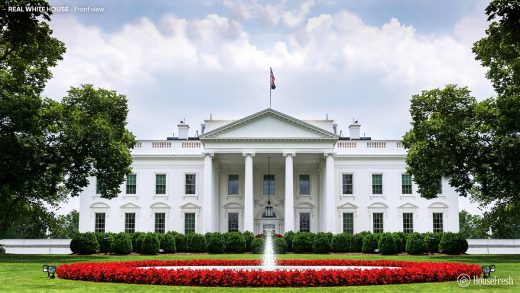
{"points": [[408, 222], [233, 185], [190, 183], [305, 184], [377, 184], [131, 184], [189, 223], [99, 224], [438, 224], [348, 186], [233, 222], [377, 222], [268, 184], [406, 184], [348, 223], [305, 222], [160, 183], [160, 222], [129, 222]]}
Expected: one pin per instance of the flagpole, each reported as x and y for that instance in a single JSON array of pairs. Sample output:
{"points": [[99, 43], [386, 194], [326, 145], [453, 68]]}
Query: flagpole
{"points": [[270, 90]]}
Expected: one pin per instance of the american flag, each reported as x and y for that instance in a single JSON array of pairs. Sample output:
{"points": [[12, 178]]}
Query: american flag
{"points": [[273, 85]]}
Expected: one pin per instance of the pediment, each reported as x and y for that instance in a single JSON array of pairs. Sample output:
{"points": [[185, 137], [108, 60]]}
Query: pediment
{"points": [[408, 206], [378, 205], [159, 205], [99, 205], [348, 205], [232, 205], [189, 205], [438, 205], [130, 206], [268, 125], [304, 205]]}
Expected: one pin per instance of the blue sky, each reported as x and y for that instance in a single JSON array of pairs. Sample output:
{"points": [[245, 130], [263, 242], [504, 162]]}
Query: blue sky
{"points": [[349, 59]]}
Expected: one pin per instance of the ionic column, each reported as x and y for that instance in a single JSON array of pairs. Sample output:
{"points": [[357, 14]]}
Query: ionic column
{"points": [[248, 193], [289, 193], [330, 223], [208, 198]]}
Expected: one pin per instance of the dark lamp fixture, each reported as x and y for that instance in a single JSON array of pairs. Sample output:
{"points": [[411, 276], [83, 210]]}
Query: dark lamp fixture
{"points": [[50, 270], [487, 270], [269, 210]]}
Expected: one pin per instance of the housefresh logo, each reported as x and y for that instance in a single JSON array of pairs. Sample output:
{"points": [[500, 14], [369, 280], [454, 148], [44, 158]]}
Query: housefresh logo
{"points": [[464, 281]]}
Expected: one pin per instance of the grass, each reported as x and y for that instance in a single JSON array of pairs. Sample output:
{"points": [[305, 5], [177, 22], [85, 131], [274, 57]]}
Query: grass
{"points": [[22, 273]]}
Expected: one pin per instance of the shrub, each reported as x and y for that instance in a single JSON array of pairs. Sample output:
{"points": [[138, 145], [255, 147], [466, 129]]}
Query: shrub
{"points": [[431, 241], [87, 243], [369, 243], [105, 241], [341, 242], [2, 250], [280, 245], [415, 244], [321, 243], [208, 236], [400, 241], [137, 241], [452, 243], [235, 242], [168, 243], [288, 238], [150, 244], [122, 244], [74, 244], [386, 244], [196, 242], [302, 242], [257, 245], [248, 236], [180, 242], [357, 241], [216, 243]]}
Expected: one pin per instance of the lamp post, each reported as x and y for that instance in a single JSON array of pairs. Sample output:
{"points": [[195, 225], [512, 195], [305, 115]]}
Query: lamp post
{"points": [[50, 270]]}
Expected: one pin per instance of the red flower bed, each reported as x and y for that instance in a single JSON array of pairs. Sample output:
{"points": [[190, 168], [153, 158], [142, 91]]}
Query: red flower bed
{"points": [[130, 272]]}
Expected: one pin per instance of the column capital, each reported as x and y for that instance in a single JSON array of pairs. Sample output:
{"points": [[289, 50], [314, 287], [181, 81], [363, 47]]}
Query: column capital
{"points": [[328, 154], [289, 154], [208, 154], [245, 154]]}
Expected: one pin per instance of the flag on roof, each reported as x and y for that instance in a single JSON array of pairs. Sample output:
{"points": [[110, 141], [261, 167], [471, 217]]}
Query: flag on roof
{"points": [[273, 85]]}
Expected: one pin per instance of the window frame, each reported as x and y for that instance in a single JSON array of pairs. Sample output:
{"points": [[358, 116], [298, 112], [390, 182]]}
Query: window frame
{"points": [[186, 222], [271, 187], [128, 222], [300, 221], [439, 224], [345, 184], [408, 223], [374, 223], [237, 214], [96, 222], [157, 184], [403, 185], [237, 185], [345, 224], [374, 185], [194, 184], [157, 225], [300, 186], [128, 185]]}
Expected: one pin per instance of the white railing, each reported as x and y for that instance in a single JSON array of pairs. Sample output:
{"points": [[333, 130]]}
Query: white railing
{"points": [[347, 144], [191, 144], [376, 144], [161, 144], [399, 145]]}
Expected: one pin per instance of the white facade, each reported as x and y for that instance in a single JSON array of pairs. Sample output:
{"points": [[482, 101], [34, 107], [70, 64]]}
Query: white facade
{"points": [[308, 160]]}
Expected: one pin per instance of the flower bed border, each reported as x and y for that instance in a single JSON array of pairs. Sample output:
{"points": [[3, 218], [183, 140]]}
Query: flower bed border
{"points": [[129, 272]]}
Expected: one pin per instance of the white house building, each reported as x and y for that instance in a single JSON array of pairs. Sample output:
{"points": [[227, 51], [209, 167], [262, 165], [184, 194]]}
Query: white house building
{"points": [[269, 170]]}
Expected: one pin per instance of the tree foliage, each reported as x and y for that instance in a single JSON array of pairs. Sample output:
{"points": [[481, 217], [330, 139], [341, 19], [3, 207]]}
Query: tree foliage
{"points": [[50, 148]]}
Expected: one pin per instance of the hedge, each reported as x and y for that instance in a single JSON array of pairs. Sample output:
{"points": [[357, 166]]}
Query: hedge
{"points": [[289, 238], [235, 242], [216, 243], [452, 243], [248, 236], [196, 242], [122, 243], [150, 244], [85, 243], [168, 243], [321, 243], [431, 241], [302, 242], [415, 244], [257, 245], [2, 250], [341, 242], [400, 241], [369, 243], [386, 244], [105, 241], [280, 245], [137, 241]]}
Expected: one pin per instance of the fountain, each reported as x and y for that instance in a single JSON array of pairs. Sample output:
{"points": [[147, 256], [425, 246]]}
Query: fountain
{"points": [[269, 260]]}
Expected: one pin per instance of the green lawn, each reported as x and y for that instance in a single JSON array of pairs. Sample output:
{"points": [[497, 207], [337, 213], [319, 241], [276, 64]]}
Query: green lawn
{"points": [[22, 273]]}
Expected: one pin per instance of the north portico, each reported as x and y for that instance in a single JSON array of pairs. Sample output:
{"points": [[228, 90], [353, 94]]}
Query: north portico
{"points": [[269, 170]]}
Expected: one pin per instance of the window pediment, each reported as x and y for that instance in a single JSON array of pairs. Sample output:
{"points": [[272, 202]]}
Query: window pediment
{"points": [[378, 205], [438, 205]]}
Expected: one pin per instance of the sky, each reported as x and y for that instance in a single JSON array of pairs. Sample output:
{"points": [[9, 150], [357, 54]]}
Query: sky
{"points": [[187, 60]]}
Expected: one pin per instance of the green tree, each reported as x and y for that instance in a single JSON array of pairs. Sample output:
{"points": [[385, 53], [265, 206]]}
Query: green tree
{"points": [[50, 148], [472, 226], [65, 226], [474, 144]]}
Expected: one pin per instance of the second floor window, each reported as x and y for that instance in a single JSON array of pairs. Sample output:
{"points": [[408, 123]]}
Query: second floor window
{"points": [[233, 185], [348, 184], [268, 184], [190, 183], [160, 183], [377, 184], [131, 184], [305, 185], [406, 184]]}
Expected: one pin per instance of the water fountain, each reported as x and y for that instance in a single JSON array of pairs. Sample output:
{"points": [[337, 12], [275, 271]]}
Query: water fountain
{"points": [[269, 260]]}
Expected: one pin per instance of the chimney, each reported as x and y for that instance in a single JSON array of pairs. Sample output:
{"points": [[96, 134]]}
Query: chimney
{"points": [[354, 129], [183, 130]]}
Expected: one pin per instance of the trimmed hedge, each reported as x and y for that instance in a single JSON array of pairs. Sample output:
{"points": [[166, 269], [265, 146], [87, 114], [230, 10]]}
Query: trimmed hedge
{"points": [[369, 243], [386, 244], [216, 243], [321, 243], [341, 242], [257, 245], [181, 242], [431, 241], [2, 250], [235, 242], [168, 243], [86, 243], [150, 244], [122, 244], [196, 242], [357, 241], [248, 236], [289, 238], [415, 244], [280, 245], [105, 241], [137, 241], [302, 242], [400, 241], [453, 243]]}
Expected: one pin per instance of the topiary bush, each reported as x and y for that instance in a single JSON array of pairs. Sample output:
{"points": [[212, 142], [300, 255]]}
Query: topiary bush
{"points": [[289, 235], [181, 242], [415, 244], [280, 245], [321, 243], [257, 245], [431, 241], [208, 236], [2, 250], [248, 236], [386, 244], [196, 242], [302, 242], [357, 241], [216, 243], [369, 243], [122, 243], [137, 241], [74, 244], [168, 243], [341, 242], [452, 243], [235, 242], [400, 241], [105, 241], [150, 244], [87, 243]]}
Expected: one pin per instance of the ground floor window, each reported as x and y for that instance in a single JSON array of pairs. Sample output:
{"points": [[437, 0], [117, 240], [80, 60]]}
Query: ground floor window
{"points": [[129, 222], [233, 222], [160, 222], [438, 223], [305, 222], [408, 222], [348, 223], [189, 223], [99, 224], [377, 222]]}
